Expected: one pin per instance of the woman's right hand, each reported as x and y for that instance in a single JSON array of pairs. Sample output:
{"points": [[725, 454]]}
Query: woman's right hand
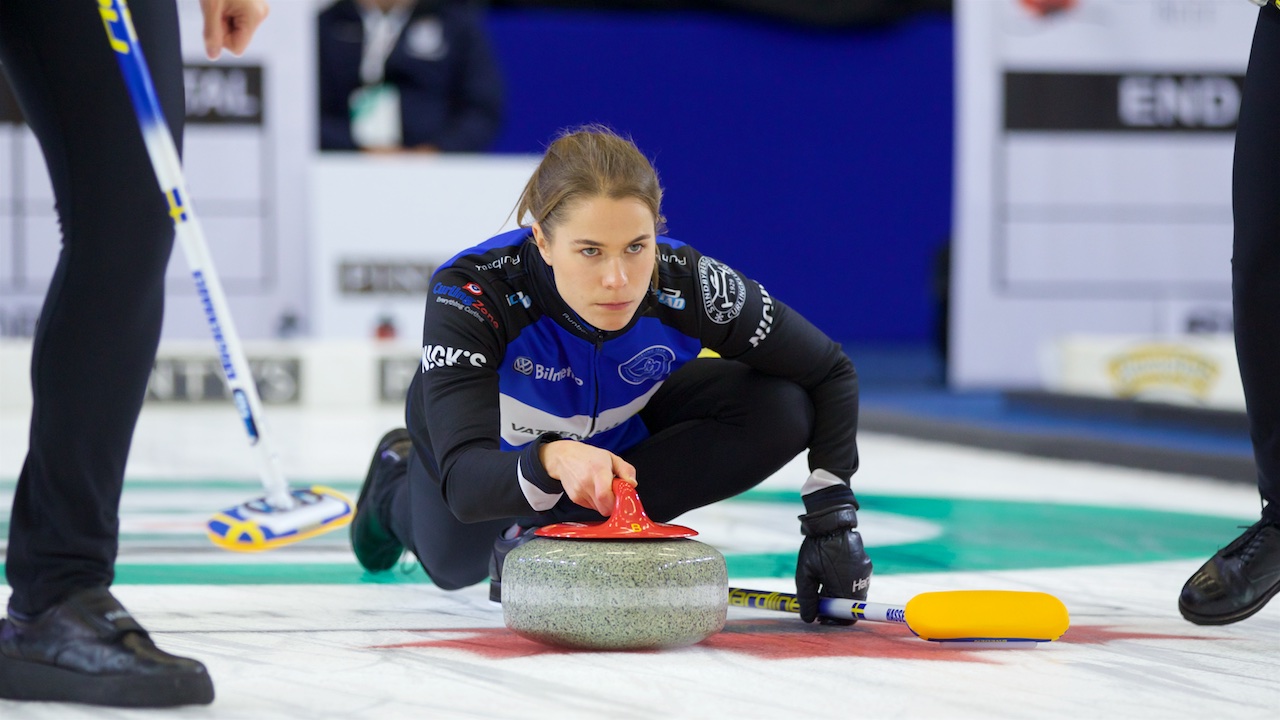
{"points": [[586, 472]]}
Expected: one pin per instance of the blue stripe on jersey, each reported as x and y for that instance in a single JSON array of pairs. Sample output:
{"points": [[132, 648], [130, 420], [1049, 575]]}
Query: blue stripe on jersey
{"points": [[557, 381]]}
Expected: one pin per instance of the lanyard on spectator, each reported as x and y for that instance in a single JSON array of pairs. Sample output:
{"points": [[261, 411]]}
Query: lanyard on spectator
{"points": [[381, 32]]}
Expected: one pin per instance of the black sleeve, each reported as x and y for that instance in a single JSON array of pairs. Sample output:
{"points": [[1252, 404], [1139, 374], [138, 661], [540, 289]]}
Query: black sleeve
{"points": [[741, 321], [454, 411]]}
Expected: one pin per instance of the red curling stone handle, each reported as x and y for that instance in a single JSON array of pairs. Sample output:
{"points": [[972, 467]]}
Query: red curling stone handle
{"points": [[627, 522]]}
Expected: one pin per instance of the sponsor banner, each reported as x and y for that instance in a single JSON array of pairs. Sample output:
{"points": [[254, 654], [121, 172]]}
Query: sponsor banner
{"points": [[1093, 176], [216, 94], [223, 94], [312, 375], [1195, 371], [177, 379], [385, 277], [394, 376], [381, 229]]}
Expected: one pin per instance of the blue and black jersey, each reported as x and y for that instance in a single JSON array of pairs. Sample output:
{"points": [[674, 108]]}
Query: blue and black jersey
{"points": [[507, 366]]}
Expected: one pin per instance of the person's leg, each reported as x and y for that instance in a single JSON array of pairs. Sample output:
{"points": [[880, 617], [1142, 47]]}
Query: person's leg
{"points": [[1242, 577], [719, 429], [66, 638], [98, 331], [454, 554], [1255, 264]]}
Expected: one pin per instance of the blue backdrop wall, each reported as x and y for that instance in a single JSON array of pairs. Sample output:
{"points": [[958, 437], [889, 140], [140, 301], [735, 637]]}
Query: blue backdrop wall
{"points": [[817, 161]]}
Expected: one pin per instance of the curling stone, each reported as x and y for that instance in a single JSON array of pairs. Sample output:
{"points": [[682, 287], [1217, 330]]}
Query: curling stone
{"points": [[628, 583]]}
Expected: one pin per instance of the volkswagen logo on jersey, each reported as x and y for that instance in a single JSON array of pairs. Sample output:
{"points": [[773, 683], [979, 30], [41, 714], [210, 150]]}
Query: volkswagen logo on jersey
{"points": [[723, 292], [651, 363], [523, 365]]}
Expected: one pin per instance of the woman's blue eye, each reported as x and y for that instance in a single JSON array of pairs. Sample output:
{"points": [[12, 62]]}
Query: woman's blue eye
{"points": [[590, 251], [636, 248]]}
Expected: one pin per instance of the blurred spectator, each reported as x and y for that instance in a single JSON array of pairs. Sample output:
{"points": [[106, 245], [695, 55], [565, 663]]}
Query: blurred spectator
{"points": [[407, 74]]}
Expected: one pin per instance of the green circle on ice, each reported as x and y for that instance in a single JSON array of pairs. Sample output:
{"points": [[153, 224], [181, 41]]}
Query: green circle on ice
{"points": [[982, 534], [757, 532]]}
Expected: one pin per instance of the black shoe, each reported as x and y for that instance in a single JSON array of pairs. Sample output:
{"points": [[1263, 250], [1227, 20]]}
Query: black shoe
{"points": [[1237, 581], [87, 649], [374, 545], [512, 538]]}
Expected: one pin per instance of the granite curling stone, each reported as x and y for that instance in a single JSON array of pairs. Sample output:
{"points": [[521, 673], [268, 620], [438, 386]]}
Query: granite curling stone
{"points": [[634, 585]]}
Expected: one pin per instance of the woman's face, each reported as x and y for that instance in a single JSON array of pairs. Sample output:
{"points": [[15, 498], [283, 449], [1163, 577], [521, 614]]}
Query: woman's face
{"points": [[602, 256]]}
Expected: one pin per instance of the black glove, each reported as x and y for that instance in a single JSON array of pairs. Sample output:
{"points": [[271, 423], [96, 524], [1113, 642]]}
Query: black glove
{"points": [[832, 557]]}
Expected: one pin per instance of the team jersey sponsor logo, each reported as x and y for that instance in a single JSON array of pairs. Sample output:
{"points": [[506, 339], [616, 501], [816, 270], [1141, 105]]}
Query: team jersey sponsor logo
{"points": [[519, 298], [463, 299], [671, 298], [766, 319], [551, 374], [673, 258], [526, 430], [504, 260], [385, 277], [573, 322], [652, 363], [723, 291], [437, 356], [538, 371]]}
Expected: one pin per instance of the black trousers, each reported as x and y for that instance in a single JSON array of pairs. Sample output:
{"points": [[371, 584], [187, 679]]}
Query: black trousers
{"points": [[100, 324], [1255, 264], [718, 428]]}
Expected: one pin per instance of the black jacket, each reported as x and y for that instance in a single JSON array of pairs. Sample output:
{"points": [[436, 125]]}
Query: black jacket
{"points": [[451, 98], [507, 365]]}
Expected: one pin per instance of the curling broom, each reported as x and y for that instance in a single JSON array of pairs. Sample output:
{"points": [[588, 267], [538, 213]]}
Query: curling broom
{"points": [[282, 516], [968, 616]]}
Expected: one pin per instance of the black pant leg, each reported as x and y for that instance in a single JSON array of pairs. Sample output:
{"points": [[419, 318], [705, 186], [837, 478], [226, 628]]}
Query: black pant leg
{"points": [[1256, 258], [454, 554], [100, 324], [719, 429]]}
